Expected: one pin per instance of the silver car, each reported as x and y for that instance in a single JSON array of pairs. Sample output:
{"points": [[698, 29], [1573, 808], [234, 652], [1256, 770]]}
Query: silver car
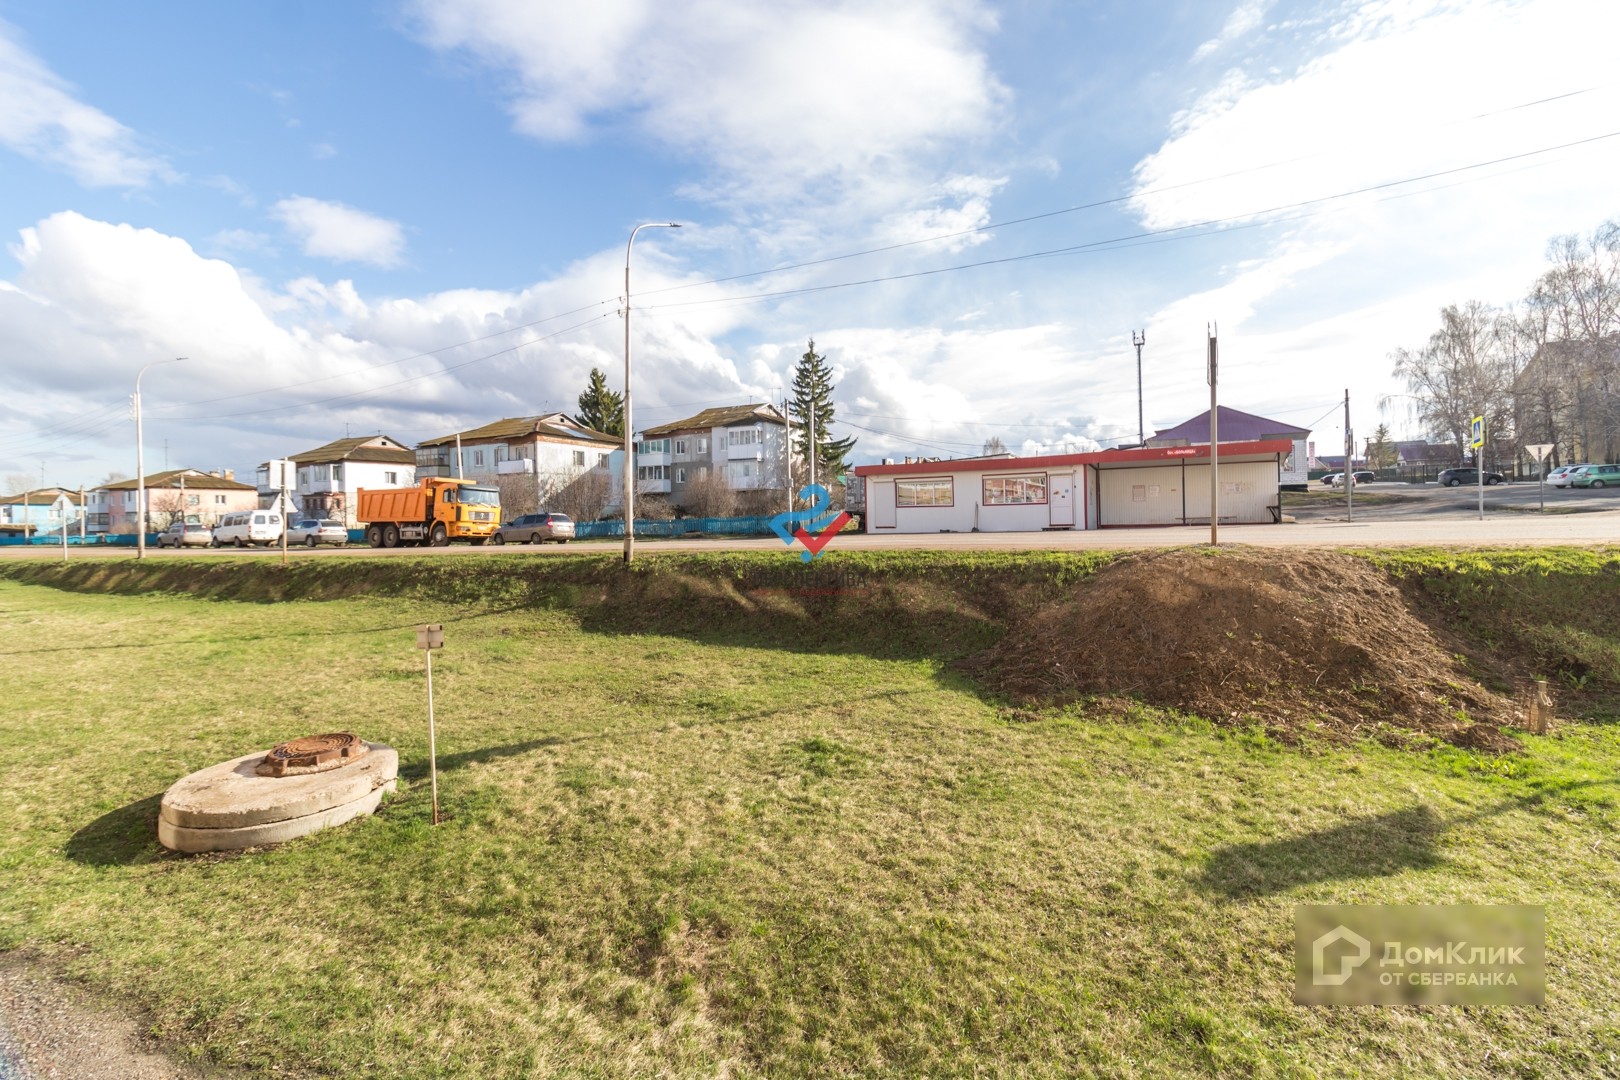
{"points": [[313, 531], [182, 535]]}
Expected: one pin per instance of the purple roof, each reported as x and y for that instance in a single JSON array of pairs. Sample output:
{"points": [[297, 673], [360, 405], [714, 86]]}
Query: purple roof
{"points": [[1235, 426]]}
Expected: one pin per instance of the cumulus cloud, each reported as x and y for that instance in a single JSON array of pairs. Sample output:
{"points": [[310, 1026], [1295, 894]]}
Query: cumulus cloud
{"points": [[331, 230], [43, 120], [775, 98]]}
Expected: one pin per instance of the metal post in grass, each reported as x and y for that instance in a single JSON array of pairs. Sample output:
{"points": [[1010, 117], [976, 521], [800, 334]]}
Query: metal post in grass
{"points": [[1477, 442], [429, 637], [1214, 440]]}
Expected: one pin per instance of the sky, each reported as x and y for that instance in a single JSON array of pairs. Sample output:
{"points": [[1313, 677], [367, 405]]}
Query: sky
{"points": [[411, 217]]}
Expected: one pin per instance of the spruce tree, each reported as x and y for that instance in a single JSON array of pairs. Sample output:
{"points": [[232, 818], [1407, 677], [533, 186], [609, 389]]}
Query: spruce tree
{"points": [[812, 396], [600, 408]]}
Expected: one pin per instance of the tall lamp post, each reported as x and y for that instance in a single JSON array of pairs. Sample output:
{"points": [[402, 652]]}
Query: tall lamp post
{"points": [[140, 462], [629, 427], [1139, 338]]}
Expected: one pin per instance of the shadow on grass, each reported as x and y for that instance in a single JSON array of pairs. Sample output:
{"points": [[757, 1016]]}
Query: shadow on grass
{"points": [[126, 836], [1370, 847]]}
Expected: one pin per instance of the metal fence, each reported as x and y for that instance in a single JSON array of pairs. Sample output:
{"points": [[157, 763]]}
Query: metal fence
{"points": [[734, 526]]}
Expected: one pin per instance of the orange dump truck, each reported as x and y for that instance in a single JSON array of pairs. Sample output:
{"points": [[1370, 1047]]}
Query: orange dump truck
{"points": [[436, 511]]}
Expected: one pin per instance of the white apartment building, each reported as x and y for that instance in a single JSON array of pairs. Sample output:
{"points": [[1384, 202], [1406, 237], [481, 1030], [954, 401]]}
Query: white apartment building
{"points": [[328, 477], [553, 449], [747, 444]]}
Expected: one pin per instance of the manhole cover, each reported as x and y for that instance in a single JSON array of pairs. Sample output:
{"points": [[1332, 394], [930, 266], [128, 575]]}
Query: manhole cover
{"points": [[312, 754]]}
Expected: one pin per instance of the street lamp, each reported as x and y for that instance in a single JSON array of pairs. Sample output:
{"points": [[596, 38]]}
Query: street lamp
{"points": [[629, 427], [140, 462]]}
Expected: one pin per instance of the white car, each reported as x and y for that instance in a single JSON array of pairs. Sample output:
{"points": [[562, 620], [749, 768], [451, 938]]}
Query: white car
{"points": [[1563, 476], [313, 531]]}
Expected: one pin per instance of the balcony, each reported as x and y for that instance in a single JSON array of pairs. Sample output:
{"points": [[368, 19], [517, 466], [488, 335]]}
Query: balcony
{"points": [[514, 467], [745, 452], [652, 487], [434, 470], [655, 457]]}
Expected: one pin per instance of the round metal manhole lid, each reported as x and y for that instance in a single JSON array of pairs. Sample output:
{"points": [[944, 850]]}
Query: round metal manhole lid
{"points": [[312, 754]]}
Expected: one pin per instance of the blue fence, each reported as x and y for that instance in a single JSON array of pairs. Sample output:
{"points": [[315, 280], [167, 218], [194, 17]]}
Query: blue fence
{"points": [[93, 540], [735, 526]]}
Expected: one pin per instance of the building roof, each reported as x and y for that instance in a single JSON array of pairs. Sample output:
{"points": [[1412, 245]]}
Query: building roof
{"points": [[524, 428], [194, 479], [1235, 426], [1152, 455], [725, 416], [364, 448], [40, 497]]}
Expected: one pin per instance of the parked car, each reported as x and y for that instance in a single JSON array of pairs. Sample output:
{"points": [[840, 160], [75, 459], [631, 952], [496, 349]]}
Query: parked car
{"points": [[245, 527], [312, 531], [1458, 477], [1360, 476], [1563, 476], [1333, 479], [536, 529], [1596, 476], [181, 534]]}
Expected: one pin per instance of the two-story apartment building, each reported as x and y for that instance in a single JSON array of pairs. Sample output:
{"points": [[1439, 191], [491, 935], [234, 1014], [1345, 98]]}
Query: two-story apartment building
{"points": [[198, 496], [538, 454], [44, 510], [329, 476], [748, 445]]}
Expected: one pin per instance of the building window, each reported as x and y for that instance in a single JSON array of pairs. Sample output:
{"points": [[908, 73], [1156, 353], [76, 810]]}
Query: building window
{"points": [[478, 457], [1015, 490], [702, 445], [680, 474], [739, 470], [743, 436], [219, 500], [390, 477], [579, 457], [602, 460], [192, 500], [337, 473], [941, 492], [652, 472], [680, 447]]}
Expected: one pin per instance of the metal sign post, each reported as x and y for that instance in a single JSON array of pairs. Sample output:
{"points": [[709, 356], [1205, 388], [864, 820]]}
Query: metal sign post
{"points": [[429, 637], [1541, 450], [1477, 441], [280, 469], [1214, 442]]}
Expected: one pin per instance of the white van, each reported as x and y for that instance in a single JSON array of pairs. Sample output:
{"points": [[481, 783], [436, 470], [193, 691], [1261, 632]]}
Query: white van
{"points": [[246, 527]]}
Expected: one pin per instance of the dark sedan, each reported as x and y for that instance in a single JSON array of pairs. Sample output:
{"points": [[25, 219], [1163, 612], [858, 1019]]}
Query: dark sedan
{"points": [[1459, 477]]}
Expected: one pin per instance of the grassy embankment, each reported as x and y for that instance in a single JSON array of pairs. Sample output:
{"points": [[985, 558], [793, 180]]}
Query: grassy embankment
{"points": [[692, 830]]}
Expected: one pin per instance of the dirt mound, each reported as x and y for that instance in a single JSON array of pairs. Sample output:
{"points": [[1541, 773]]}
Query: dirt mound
{"points": [[1291, 640]]}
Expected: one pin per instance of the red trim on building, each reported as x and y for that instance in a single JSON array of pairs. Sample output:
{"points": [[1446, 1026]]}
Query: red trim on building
{"points": [[1100, 458]]}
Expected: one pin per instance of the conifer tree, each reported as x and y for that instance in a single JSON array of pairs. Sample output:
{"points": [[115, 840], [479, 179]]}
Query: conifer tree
{"points": [[600, 408], [812, 397]]}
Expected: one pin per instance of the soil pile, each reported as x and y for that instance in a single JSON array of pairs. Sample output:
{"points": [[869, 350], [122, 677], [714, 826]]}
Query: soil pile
{"points": [[1291, 640]]}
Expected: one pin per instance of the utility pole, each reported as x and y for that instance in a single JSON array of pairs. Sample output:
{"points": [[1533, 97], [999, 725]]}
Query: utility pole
{"points": [[629, 506], [84, 514], [1349, 462], [140, 462], [1139, 338], [1214, 440]]}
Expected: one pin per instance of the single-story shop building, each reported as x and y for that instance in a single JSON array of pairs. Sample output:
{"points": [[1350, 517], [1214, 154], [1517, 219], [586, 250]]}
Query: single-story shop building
{"points": [[1154, 485]]}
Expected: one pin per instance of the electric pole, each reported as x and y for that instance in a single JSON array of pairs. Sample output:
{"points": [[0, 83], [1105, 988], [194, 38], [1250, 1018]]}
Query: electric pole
{"points": [[1349, 462], [1214, 441], [1139, 338]]}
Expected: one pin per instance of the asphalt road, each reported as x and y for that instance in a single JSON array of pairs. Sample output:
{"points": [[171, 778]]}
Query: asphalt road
{"points": [[1384, 515]]}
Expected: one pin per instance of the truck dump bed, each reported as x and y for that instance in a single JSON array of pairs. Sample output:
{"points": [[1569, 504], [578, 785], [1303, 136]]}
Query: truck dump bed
{"points": [[393, 504]]}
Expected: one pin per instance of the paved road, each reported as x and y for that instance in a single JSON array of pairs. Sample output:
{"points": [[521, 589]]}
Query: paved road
{"points": [[1385, 515]]}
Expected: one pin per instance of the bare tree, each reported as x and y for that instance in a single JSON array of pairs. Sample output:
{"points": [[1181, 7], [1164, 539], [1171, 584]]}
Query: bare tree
{"points": [[18, 482], [993, 445], [710, 496], [1464, 370], [585, 497], [1577, 374]]}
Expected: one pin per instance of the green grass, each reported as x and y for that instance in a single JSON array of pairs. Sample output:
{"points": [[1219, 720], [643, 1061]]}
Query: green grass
{"points": [[767, 836]]}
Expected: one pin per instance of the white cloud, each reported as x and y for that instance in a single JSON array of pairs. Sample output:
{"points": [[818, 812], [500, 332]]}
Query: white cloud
{"points": [[778, 99], [331, 230], [1244, 18], [41, 119], [322, 150]]}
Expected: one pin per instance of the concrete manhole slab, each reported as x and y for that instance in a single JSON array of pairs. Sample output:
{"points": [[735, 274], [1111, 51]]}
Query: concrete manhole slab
{"points": [[193, 841], [232, 797]]}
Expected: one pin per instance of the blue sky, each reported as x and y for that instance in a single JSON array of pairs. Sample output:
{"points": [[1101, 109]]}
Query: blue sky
{"points": [[352, 218]]}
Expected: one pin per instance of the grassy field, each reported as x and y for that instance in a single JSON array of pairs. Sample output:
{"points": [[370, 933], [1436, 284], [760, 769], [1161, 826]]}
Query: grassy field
{"points": [[693, 831]]}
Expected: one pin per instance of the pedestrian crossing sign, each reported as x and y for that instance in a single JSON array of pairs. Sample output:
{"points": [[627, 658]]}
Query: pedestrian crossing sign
{"points": [[1477, 435]]}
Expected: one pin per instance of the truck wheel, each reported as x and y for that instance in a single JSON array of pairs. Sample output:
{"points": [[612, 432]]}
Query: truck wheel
{"points": [[390, 536], [440, 538], [374, 535]]}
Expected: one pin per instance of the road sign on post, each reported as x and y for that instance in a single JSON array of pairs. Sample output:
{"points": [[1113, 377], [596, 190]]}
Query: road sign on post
{"points": [[430, 636], [1540, 451], [1476, 440]]}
